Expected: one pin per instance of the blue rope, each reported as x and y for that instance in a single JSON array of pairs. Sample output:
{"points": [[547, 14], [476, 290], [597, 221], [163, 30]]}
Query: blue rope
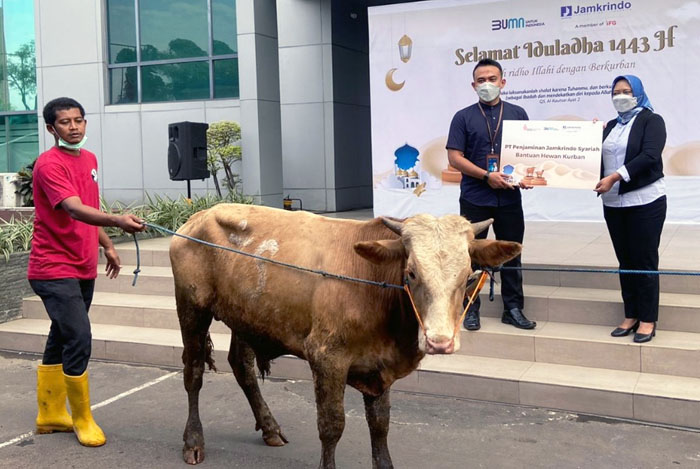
{"points": [[137, 270], [322, 273], [604, 271], [325, 274]]}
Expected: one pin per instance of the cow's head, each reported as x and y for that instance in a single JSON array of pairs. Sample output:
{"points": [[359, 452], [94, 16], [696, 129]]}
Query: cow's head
{"points": [[438, 253]]}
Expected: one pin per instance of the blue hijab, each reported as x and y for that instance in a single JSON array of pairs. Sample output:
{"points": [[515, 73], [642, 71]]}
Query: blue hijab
{"points": [[637, 92]]}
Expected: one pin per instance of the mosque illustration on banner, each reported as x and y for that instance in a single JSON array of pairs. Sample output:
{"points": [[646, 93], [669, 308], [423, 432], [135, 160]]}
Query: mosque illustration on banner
{"points": [[406, 167]]}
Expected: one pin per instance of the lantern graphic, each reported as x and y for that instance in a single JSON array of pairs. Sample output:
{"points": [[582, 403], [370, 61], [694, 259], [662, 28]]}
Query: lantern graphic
{"points": [[405, 46]]}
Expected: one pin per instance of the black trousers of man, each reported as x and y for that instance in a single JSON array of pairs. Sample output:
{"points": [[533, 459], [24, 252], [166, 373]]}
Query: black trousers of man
{"points": [[67, 301], [636, 234], [508, 225]]}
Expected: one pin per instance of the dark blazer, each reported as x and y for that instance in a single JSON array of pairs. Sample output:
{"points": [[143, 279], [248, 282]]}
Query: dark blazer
{"points": [[643, 157]]}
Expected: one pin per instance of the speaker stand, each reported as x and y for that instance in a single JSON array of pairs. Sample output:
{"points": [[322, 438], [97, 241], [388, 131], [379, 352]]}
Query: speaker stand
{"points": [[189, 191]]}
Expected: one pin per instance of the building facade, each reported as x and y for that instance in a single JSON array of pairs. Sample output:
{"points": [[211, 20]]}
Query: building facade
{"points": [[293, 73]]}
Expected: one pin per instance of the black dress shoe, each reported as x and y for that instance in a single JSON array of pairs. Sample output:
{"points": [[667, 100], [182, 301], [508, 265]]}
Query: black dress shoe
{"points": [[472, 321], [641, 338], [622, 332], [516, 317]]}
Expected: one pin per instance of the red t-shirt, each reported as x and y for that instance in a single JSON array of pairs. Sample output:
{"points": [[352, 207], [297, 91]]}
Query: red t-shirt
{"points": [[63, 247]]}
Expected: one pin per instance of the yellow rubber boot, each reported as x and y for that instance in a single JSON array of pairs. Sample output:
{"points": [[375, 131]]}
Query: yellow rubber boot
{"points": [[87, 431], [51, 400]]}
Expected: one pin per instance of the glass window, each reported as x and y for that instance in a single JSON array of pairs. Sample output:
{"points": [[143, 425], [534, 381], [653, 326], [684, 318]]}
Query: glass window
{"points": [[167, 51], [18, 67], [19, 128], [224, 26], [122, 31], [22, 140], [173, 29], [123, 85], [226, 78], [19, 141], [169, 82]]}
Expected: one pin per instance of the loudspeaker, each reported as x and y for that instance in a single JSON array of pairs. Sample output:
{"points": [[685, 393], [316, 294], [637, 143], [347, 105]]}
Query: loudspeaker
{"points": [[187, 151]]}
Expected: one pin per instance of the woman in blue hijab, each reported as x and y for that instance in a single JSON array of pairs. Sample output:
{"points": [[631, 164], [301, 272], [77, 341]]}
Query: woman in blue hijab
{"points": [[634, 201]]}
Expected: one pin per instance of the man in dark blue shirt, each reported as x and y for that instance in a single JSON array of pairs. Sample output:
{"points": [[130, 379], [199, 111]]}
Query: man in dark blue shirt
{"points": [[473, 147]]}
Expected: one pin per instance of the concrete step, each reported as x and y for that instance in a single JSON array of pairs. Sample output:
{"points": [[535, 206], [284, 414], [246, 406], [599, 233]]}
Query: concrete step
{"points": [[581, 305], [117, 302], [564, 277], [635, 395], [152, 280], [670, 353], [154, 252], [124, 309], [640, 396], [602, 307]]}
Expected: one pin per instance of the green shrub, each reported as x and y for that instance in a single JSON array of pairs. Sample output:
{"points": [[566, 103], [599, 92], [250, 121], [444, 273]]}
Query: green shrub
{"points": [[172, 214], [16, 235], [223, 151], [24, 184]]}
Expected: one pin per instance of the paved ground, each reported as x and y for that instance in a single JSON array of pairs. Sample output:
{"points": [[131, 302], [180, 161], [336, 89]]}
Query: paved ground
{"points": [[144, 429]]}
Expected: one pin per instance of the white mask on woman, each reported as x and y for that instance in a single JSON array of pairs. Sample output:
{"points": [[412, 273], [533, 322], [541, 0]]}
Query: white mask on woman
{"points": [[624, 102], [488, 91]]}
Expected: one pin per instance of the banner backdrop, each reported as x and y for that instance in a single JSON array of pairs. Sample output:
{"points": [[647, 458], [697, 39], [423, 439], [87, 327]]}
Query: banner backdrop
{"points": [[559, 60]]}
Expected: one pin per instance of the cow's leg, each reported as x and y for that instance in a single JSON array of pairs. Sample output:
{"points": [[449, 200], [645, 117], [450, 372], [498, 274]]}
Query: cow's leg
{"points": [[242, 360], [194, 327], [377, 413], [330, 374]]}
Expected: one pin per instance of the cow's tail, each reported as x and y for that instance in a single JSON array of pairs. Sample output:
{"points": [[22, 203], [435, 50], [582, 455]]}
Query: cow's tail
{"points": [[209, 358]]}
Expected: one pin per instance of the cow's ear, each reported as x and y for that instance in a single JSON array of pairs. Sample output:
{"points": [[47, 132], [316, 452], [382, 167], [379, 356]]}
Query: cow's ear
{"points": [[490, 253], [381, 252]]}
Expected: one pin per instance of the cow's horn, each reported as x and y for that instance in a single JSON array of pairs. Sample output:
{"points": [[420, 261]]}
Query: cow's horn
{"points": [[481, 226], [394, 225]]}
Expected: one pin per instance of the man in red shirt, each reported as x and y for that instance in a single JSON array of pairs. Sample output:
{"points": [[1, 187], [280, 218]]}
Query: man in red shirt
{"points": [[63, 267]]}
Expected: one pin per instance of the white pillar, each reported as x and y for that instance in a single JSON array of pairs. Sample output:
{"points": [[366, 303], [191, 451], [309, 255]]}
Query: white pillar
{"points": [[258, 66]]}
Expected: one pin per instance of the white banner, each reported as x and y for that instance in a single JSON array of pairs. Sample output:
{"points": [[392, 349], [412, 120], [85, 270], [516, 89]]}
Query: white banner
{"points": [[559, 61], [548, 154]]}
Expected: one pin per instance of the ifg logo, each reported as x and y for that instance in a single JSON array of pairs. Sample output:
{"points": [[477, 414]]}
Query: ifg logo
{"points": [[566, 11]]}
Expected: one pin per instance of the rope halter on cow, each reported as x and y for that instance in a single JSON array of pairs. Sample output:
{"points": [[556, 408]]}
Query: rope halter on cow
{"points": [[480, 284]]}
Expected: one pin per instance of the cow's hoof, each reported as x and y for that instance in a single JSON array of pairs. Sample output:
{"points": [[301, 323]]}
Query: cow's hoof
{"points": [[193, 455], [275, 438]]}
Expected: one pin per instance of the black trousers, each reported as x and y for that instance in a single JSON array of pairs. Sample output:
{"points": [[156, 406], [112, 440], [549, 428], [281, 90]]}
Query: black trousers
{"points": [[67, 301], [508, 225], [635, 234]]}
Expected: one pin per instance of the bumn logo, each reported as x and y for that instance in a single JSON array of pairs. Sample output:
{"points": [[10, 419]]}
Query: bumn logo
{"points": [[566, 11], [508, 23]]}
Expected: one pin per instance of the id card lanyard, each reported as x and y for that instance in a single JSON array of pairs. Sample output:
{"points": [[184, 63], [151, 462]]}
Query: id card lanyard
{"points": [[492, 135]]}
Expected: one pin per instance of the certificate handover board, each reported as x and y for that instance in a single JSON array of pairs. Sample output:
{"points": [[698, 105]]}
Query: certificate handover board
{"points": [[564, 154]]}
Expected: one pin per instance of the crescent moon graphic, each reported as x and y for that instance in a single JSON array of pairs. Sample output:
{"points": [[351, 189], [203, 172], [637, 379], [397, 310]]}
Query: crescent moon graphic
{"points": [[390, 83]]}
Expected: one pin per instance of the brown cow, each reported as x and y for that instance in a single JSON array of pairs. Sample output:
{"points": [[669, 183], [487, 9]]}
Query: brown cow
{"points": [[350, 333]]}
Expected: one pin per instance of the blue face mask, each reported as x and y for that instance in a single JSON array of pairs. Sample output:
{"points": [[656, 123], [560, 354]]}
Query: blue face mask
{"points": [[72, 146]]}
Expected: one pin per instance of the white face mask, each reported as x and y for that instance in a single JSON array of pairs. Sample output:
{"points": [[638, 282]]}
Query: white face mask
{"points": [[72, 146], [488, 91], [624, 102]]}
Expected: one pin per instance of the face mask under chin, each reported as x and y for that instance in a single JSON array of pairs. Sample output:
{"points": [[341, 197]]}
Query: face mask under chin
{"points": [[72, 146]]}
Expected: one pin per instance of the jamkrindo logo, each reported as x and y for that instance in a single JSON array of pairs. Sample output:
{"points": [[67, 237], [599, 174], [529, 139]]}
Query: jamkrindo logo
{"points": [[568, 11]]}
